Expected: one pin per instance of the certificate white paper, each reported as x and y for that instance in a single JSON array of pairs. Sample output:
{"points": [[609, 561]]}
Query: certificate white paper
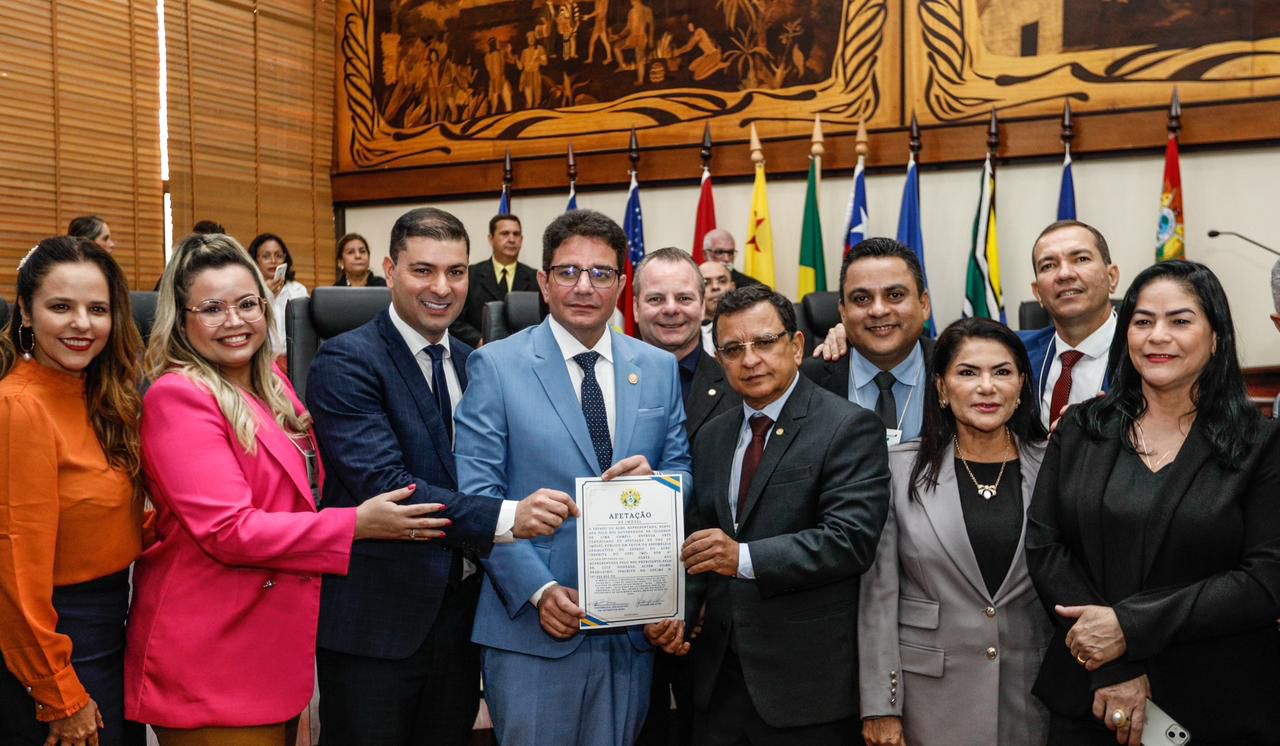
{"points": [[629, 538]]}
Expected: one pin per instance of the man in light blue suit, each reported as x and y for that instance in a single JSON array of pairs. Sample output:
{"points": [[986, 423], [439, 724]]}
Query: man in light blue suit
{"points": [[566, 399]]}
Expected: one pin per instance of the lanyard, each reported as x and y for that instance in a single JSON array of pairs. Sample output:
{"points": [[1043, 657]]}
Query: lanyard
{"points": [[857, 399]]}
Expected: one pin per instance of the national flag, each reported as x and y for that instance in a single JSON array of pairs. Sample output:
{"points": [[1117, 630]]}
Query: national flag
{"points": [[1067, 192], [759, 245], [573, 197], [910, 231], [633, 226], [705, 219], [856, 218], [813, 271], [504, 202], [1170, 231], [982, 293]]}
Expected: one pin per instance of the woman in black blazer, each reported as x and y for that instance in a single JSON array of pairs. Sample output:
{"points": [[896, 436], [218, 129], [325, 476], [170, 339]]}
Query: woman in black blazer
{"points": [[1154, 533]]}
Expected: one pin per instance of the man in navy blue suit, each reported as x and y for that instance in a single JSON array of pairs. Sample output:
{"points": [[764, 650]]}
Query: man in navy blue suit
{"points": [[395, 662]]}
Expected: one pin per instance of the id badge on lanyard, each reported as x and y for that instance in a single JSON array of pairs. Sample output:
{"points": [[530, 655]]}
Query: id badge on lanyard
{"points": [[892, 436]]}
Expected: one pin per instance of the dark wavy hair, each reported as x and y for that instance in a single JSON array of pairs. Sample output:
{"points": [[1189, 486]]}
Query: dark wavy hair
{"points": [[938, 429], [1219, 395], [256, 245]]}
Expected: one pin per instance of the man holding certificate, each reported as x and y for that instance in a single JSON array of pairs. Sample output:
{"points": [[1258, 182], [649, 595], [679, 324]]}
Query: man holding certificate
{"points": [[790, 496], [565, 400]]}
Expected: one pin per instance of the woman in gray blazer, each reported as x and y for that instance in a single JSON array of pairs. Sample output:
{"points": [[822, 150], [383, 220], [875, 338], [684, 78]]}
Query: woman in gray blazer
{"points": [[950, 631]]}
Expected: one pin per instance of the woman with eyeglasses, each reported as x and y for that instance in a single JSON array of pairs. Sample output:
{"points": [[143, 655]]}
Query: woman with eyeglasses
{"points": [[222, 639]]}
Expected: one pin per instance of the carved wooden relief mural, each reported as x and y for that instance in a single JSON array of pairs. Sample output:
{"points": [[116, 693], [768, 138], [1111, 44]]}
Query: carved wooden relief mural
{"points": [[428, 81]]}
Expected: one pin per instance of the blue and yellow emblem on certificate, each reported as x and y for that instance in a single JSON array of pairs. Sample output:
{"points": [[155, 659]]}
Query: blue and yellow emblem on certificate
{"points": [[629, 538]]}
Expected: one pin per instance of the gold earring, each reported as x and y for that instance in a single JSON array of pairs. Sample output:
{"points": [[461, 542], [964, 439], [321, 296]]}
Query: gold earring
{"points": [[26, 344], [944, 403]]}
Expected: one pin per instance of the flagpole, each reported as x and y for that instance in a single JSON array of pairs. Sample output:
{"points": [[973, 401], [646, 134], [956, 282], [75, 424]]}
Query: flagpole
{"points": [[817, 148], [573, 180]]}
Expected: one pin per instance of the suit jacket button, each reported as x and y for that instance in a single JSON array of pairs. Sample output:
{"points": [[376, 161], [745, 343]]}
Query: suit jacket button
{"points": [[990, 611], [991, 654]]}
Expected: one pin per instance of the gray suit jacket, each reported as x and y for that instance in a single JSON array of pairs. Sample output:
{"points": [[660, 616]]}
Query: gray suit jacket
{"points": [[936, 648], [812, 517]]}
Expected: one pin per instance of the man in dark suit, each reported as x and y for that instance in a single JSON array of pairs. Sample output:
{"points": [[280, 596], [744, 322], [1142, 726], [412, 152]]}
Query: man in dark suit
{"points": [[493, 278], [669, 306], [883, 309], [395, 663], [791, 492], [719, 246]]}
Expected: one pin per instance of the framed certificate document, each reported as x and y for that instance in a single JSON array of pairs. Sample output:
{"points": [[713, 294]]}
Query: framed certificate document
{"points": [[629, 538]]}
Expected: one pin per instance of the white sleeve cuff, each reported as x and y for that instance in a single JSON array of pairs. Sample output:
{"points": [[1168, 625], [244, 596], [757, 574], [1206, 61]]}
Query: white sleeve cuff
{"points": [[537, 595], [506, 522], [745, 570]]}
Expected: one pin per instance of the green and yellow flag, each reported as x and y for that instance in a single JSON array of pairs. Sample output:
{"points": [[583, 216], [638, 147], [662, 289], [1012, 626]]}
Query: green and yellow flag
{"points": [[813, 272]]}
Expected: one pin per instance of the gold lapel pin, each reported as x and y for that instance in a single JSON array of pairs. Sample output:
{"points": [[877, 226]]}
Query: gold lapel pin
{"points": [[779, 431], [711, 392], [633, 379]]}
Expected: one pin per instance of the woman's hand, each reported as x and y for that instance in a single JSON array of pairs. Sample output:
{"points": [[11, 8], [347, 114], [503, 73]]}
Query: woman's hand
{"points": [[81, 729], [883, 731], [1123, 708], [380, 517], [1096, 638], [274, 285]]}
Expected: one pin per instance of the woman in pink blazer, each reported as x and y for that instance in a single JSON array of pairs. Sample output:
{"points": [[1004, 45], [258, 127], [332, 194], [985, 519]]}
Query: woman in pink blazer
{"points": [[221, 639]]}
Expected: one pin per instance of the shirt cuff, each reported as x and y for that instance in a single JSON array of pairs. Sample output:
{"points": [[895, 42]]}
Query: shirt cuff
{"points": [[745, 570], [537, 595], [58, 696], [502, 532]]}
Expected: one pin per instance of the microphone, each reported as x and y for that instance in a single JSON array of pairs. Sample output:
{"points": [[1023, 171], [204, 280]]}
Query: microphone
{"points": [[1216, 233]]}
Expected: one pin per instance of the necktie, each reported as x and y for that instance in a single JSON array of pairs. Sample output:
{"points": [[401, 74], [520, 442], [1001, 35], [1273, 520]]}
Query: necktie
{"points": [[760, 425], [1062, 389], [502, 284], [886, 405], [593, 409], [440, 387]]}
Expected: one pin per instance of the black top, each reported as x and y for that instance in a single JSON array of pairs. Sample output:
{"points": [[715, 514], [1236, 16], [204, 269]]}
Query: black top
{"points": [[687, 367], [374, 281], [1131, 495], [994, 525]]}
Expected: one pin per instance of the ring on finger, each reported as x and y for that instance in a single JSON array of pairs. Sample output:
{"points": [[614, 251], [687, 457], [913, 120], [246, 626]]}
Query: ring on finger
{"points": [[413, 533], [1119, 718], [1082, 660]]}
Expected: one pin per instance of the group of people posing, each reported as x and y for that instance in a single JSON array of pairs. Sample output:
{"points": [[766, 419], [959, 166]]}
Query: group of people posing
{"points": [[987, 538]]}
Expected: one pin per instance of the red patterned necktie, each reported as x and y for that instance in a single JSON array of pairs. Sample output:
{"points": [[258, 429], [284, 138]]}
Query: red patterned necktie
{"points": [[760, 425], [1062, 389]]}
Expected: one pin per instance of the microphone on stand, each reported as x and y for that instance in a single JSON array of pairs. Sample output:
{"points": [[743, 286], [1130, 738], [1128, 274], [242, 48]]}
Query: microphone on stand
{"points": [[1215, 234]]}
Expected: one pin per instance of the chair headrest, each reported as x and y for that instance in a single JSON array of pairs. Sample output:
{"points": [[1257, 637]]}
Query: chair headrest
{"points": [[335, 310], [521, 310]]}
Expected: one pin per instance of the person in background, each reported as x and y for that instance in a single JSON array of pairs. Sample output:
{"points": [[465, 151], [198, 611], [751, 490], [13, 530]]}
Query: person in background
{"points": [[93, 228], [353, 264], [206, 227], [270, 252], [1154, 532], [222, 636], [493, 278], [71, 507], [719, 245], [949, 626], [716, 282]]}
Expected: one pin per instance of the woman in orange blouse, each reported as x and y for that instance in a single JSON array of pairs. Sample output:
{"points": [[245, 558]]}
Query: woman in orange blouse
{"points": [[70, 505]]}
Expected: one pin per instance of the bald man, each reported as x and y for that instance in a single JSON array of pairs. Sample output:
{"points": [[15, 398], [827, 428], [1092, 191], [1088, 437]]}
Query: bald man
{"points": [[716, 281], [719, 245]]}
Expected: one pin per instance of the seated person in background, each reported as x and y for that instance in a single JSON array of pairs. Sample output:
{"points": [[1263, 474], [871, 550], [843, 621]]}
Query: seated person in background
{"points": [[716, 282], [270, 252], [883, 308], [719, 245], [493, 278], [353, 264], [93, 228]]}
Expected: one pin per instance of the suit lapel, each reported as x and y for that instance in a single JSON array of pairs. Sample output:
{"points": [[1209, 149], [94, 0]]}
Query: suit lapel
{"points": [[947, 518], [1028, 470], [720, 477], [705, 391], [785, 431], [1182, 472], [1099, 459], [416, 384], [277, 443], [627, 381], [484, 281], [549, 367], [459, 359]]}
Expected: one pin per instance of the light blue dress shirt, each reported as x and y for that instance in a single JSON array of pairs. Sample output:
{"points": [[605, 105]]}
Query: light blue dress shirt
{"points": [[908, 391]]}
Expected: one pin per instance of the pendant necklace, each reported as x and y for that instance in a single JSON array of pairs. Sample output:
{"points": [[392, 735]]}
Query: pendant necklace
{"points": [[987, 491]]}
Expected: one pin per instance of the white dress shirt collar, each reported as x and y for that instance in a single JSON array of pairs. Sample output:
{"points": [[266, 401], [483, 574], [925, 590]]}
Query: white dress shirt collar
{"points": [[1095, 345], [570, 346], [416, 342]]}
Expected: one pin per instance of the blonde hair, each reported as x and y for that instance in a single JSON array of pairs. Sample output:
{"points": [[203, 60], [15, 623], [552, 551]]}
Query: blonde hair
{"points": [[170, 351]]}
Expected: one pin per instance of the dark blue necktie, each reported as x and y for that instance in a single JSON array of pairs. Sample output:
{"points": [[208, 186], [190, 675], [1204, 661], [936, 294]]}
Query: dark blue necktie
{"points": [[593, 409], [441, 387]]}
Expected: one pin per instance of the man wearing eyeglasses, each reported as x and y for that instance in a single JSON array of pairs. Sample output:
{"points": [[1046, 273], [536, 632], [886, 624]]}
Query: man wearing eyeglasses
{"points": [[718, 245], [790, 495], [568, 398]]}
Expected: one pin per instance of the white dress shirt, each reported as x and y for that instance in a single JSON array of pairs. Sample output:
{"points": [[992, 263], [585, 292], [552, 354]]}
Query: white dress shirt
{"points": [[570, 346], [292, 289], [418, 345], [1089, 371], [708, 343], [771, 410]]}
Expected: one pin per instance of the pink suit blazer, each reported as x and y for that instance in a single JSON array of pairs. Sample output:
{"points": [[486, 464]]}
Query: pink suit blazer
{"points": [[222, 631]]}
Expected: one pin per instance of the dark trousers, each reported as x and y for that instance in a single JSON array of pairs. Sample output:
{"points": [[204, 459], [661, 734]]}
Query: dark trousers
{"points": [[732, 719], [93, 615], [664, 726], [431, 697]]}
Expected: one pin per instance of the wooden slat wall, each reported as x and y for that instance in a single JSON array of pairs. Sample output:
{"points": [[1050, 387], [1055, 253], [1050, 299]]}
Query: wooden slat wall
{"points": [[78, 85], [251, 122]]}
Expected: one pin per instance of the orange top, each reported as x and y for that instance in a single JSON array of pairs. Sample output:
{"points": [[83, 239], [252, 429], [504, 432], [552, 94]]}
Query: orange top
{"points": [[66, 517]]}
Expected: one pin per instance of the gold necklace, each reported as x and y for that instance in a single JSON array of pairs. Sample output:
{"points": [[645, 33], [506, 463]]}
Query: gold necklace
{"points": [[1146, 452], [987, 491]]}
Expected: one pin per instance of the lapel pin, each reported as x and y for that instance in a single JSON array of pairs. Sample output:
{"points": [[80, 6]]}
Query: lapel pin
{"points": [[633, 379], [711, 392], [779, 431]]}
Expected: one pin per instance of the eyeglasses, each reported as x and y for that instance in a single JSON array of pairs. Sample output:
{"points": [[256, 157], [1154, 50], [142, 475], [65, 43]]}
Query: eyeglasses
{"points": [[762, 345], [214, 313], [722, 255], [566, 275]]}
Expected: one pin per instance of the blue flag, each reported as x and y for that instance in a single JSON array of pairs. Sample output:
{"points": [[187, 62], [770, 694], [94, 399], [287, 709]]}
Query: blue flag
{"points": [[1067, 194], [573, 197], [633, 226], [910, 232], [504, 202], [855, 222]]}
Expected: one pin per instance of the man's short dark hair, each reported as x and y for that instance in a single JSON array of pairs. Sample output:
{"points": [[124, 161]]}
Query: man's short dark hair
{"points": [[742, 299], [426, 222], [588, 224], [493, 221], [207, 227], [880, 247], [669, 255], [1099, 240]]}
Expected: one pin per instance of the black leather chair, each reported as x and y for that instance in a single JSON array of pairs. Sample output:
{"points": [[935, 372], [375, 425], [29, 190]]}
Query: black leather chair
{"points": [[330, 311], [1031, 315], [144, 311], [502, 318], [815, 315]]}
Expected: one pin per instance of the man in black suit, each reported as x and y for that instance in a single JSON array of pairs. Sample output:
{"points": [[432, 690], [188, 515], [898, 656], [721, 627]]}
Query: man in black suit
{"points": [[719, 245], [883, 309], [668, 306], [493, 278], [790, 494]]}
